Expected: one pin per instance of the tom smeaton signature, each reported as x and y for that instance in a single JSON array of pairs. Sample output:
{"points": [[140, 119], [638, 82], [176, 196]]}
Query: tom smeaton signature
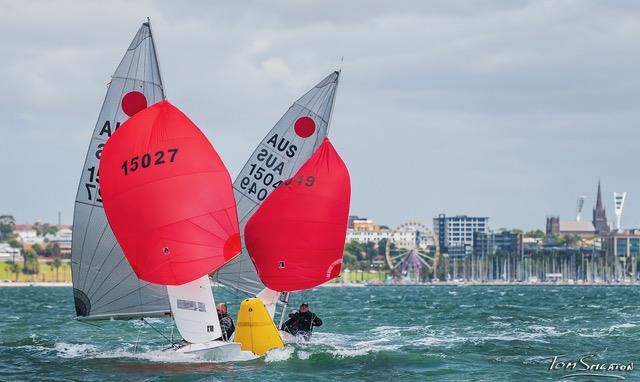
{"points": [[587, 367]]}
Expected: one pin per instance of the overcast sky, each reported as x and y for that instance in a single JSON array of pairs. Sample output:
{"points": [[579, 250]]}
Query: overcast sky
{"points": [[504, 109]]}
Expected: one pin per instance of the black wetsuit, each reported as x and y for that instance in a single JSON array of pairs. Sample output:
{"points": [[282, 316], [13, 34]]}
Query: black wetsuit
{"points": [[301, 324], [227, 326]]}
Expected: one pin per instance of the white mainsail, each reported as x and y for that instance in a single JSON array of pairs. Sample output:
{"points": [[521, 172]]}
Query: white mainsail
{"points": [[104, 285], [280, 154]]}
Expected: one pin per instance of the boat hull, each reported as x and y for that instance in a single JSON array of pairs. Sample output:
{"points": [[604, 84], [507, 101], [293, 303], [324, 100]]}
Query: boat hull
{"points": [[217, 351]]}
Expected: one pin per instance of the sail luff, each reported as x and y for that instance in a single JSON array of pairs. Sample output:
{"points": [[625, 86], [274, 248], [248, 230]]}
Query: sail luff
{"points": [[104, 284], [287, 146]]}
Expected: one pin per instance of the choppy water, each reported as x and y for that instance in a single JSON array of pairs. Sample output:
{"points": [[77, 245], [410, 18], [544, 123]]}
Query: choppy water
{"points": [[445, 333]]}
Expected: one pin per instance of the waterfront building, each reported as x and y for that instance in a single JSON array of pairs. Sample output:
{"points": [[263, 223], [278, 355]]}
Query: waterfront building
{"points": [[62, 238], [555, 226], [8, 253], [490, 243], [353, 218], [622, 244], [413, 235], [455, 233], [365, 225], [365, 230], [367, 236], [27, 234], [405, 236]]}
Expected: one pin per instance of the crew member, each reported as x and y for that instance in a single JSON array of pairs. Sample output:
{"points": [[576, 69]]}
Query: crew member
{"points": [[301, 323], [226, 322]]}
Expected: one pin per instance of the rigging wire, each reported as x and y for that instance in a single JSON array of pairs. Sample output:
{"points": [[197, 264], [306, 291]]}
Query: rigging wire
{"points": [[157, 331], [135, 349], [90, 324]]}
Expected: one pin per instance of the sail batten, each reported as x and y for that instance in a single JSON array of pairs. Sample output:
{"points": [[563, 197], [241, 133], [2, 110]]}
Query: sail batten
{"points": [[104, 283], [289, 144]]}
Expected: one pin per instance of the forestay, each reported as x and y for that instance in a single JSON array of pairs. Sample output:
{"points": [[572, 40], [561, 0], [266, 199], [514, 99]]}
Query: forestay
{"points": [[104, 283], [290, 143]]}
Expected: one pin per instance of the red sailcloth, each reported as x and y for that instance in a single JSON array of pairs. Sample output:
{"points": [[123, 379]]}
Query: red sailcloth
{"points": [[168, 197], [296, 237]]}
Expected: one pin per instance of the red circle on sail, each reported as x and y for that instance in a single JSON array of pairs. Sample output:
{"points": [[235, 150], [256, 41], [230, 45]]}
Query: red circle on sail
{"points": [[304, 127], [133, 102]]}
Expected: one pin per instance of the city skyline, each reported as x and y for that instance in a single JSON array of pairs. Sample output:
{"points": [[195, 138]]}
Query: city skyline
{"points": [[439, 110]]}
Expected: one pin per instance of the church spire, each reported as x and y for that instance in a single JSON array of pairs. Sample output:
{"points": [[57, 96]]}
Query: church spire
{"points": [[599, 198], [600, 214]]}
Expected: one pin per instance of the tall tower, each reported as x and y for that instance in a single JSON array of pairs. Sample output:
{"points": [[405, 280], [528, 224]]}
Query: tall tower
{"points": [[618, 200], [600, 215], [579, 206]]}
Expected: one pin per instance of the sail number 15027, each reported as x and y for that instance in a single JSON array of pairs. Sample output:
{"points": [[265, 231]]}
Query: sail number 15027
{"points": [[146, 160]]}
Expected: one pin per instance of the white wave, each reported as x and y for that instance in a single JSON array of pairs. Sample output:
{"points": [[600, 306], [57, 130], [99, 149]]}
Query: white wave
{"points": [[548, 330], [66, 350], [391, 331], [627, 325], [303, 355], [436, 341], [349, 353], [279, 355]]}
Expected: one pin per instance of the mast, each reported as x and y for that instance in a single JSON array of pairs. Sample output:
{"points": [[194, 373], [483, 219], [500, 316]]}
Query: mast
{"points": [[155, 53]]}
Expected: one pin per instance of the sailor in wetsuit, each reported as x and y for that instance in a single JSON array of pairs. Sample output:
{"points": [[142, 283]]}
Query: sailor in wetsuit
{"points": [[301, 323], [226, 322]]}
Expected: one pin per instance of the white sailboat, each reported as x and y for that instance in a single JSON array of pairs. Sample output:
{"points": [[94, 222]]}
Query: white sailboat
{"points": [[105, 285], [280, 154]]}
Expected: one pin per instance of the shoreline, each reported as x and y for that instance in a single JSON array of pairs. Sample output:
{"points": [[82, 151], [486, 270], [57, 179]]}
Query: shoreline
{"points": [[35, 284], [486, 284], [362, 285]]}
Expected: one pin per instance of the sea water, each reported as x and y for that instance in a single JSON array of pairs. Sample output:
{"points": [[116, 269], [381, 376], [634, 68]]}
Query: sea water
{"points": [[388, 333]]}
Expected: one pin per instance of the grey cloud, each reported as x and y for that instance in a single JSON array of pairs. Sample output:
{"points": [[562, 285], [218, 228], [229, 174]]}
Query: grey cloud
{"points": [[503, 108]]}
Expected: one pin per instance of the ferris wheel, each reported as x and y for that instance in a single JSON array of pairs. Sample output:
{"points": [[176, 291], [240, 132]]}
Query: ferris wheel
{"points": [[412, 260]]}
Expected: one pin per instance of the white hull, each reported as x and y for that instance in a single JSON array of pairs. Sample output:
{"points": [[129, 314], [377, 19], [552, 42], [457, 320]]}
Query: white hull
{"points": [[217, 351]]}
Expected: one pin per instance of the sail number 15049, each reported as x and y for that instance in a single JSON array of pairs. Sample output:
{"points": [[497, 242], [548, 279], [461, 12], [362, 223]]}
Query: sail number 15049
{"points": [[146, 160]]}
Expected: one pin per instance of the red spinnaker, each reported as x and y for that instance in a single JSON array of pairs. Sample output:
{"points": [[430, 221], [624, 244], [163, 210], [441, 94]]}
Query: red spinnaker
{"points": [[168, 197], [296, 237]]}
